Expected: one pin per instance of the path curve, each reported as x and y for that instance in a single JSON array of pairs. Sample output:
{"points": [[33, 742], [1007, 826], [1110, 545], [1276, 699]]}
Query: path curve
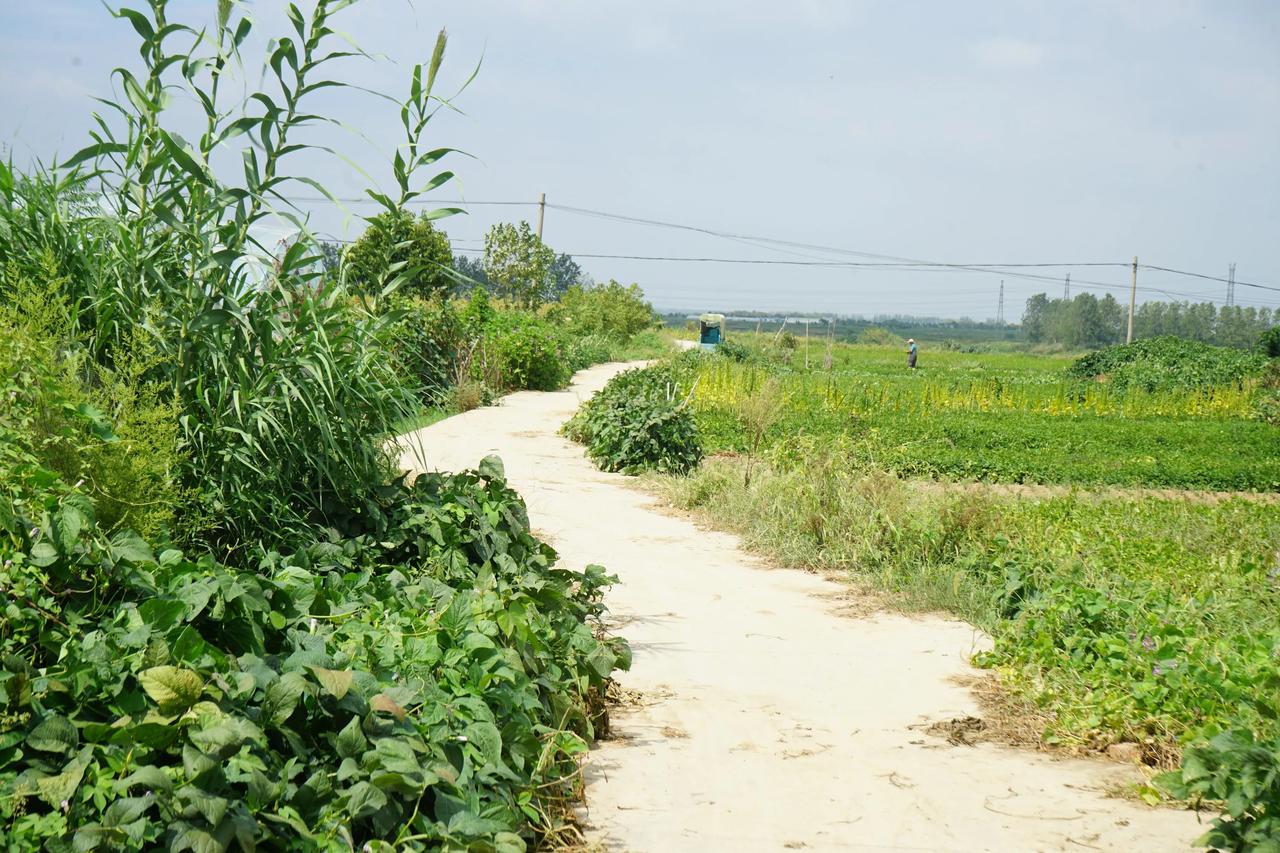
{"points": [[765, 720]]}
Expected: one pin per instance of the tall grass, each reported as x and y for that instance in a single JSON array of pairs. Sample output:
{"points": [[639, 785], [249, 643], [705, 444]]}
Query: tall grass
{"points": [[284, 399]]}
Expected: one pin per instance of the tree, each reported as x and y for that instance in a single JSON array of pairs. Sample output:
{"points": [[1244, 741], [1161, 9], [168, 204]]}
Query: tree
{"points": [[518, 263], [1033, 318], [565, 273], [472, 270], [330, 256], [398, 245]]}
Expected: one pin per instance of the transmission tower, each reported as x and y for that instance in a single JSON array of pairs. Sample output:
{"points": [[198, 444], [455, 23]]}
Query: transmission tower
{"points": [[1231, 285], [1000, 308], [1066, 288]]}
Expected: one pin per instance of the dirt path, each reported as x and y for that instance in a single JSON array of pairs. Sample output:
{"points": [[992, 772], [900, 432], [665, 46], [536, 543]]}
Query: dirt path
{"points": [[765, 720]]}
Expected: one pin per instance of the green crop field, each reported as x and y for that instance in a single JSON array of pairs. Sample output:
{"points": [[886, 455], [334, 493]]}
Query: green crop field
{"points": [[1005, 417]]}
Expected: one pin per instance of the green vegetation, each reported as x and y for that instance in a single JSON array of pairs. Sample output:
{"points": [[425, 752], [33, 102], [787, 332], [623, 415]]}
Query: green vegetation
{"points": [[1005, 417], [518, 263], [1164, 364], [402, 248], [1087, 321], [229, 621], [639, 421], [1121, 616]]}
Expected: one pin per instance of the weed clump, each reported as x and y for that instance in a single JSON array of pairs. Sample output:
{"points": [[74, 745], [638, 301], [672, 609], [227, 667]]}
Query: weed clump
{"points": [[639, 422]]}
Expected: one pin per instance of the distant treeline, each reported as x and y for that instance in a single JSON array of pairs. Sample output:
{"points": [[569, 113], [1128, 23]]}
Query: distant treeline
{"points": [[1086, 321]]}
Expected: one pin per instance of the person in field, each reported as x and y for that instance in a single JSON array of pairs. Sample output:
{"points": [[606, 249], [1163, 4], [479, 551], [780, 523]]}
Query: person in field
{"points": [[911, 353]]}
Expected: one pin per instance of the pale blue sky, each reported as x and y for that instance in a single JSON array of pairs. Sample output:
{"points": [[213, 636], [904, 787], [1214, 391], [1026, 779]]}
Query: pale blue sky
{"points": [[964, 132]]}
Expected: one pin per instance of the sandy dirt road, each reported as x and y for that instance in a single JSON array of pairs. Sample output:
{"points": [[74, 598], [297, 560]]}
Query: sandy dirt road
{"points": [[765, 719]]}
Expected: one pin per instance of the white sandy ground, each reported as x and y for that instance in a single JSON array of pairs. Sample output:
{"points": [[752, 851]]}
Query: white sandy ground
{"points": [[767, 720]]}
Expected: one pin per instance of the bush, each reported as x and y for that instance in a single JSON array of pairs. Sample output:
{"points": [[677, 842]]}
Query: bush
{"points": [[428, 684], [114, 430], [638, 422], [607, 310], [733, 351], [401, 249], [1167, 363], [530, 353], [588, 350], [426, 337], [880, 337]]}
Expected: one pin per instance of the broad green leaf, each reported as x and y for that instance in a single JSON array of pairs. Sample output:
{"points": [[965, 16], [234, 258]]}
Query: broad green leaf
{"points": [[129, 546], [491, 468], [126, 810], [173, 689], [56, 789], [43, 554], [54, 734], [282, 697], [148, 777], [363, 800], [335, 682], [508, 842], [487, 740], [351, 742]]}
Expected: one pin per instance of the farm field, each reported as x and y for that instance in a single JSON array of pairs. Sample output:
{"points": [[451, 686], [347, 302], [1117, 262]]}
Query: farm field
{"points": [[1127, 616], [1014, 418]]}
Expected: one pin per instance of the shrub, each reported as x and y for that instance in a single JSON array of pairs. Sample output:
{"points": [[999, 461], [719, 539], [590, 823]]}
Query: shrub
{"points": [[638, 422], [733, 351], [608, 310], [62, 406], [427, 685], [1167, 363], [880, 337], [426, 337], [584, 351], [530, 353]]}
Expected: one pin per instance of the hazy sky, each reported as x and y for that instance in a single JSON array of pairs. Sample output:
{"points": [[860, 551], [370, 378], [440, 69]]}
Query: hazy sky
{"points": [[995, 132]]}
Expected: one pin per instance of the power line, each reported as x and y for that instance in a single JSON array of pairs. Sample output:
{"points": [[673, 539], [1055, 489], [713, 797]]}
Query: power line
{"points": [[883, 261], [1231, 281]]}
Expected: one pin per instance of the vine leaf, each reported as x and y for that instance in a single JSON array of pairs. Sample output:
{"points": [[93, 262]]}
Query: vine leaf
{"points": [[173, 689]]}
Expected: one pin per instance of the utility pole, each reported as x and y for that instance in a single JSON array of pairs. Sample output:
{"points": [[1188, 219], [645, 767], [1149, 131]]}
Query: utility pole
{"points": [[542, 212], [1000, 308], [1133, 298], [1066, 288], [1231, 285]]}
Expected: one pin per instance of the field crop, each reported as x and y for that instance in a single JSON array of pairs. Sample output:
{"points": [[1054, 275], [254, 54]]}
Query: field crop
{"points": [[1000, 417]]}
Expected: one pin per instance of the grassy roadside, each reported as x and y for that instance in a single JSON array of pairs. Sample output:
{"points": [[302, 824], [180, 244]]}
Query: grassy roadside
{"points": [[1123, 620]]}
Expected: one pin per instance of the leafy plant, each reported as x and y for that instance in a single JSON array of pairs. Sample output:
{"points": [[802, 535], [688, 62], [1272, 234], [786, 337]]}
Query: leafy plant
{"points": [[1241, 773], [607, 310], [638, 422], [1269, 342], [284, 395], [427, 685], [1167, 363]]}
